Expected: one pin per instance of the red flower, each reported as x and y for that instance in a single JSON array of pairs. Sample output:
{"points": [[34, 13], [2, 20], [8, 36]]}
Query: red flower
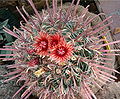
{"points": [[41, 44], [55, 40], [30, 51], [62, 52], [33, 62]]}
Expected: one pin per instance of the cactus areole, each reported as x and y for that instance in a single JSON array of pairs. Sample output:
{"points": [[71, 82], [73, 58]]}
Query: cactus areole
{"points": [[58, 54]]}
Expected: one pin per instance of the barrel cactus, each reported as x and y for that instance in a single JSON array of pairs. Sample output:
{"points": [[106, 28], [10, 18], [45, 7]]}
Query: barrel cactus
{"points": [[58, 54]]}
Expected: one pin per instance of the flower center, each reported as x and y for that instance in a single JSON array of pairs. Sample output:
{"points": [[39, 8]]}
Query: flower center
{"points": [[43, 45], [61, 51]]}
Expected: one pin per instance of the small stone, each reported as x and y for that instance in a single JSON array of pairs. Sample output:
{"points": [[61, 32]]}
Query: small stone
{"points": [[39, 72], [117, 30]]}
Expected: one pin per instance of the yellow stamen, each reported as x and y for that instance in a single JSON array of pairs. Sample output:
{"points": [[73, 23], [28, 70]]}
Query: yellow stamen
{"points": [[62, 63]]}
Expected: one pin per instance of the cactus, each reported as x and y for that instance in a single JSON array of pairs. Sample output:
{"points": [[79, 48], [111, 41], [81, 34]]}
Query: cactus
{"points": [[58, 54]]}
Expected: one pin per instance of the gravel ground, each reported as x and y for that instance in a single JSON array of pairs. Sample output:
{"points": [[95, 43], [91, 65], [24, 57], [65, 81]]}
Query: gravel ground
{"points": [[8, 89]]}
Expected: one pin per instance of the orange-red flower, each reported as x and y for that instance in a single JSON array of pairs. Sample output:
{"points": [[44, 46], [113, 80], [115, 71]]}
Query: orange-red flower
{"points": [[55, 39], [41, 44], [61, 52]]}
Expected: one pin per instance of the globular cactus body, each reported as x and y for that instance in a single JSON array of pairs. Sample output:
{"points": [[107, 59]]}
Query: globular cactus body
{"points": [[58, 54]]}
